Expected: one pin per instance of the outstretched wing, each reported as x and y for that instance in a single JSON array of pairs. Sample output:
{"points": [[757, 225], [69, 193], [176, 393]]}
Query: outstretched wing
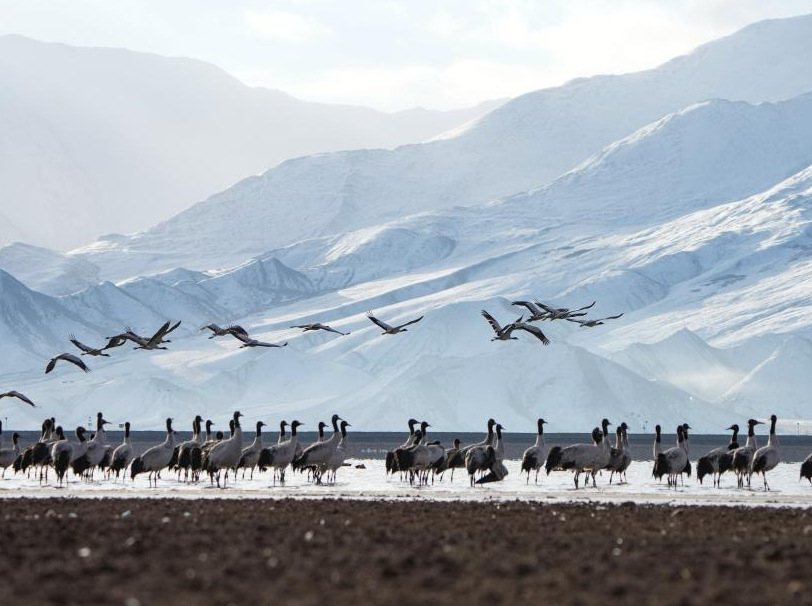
{"points": [[535, 331], [331, 329], [173, 327], [492, 321], [376, 321], [74, 360], [410, 322], [613, 317], [241, 336], [18, 395], [585, 307], [116, 341], [212, 327], [237, 329], [531, 307], [159, 335], [581, 322], [547, 308], [79, 344]]}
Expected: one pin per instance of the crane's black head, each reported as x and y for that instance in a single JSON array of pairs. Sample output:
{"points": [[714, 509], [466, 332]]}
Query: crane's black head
{"points": [[657, 429], [773, 418], [59, 432], [418, 434], [686, 427], [209, 423], [169, 424], [322, 424], [198, 419], [219, 435], [499, 429], [14, 437], [411, 422], [457, 443], [423, 425], [127, 425], [336, 418], [237, 415], [597, 435], [623, 426], [80, 433], [491, 423], [733, 427], [296, 424]]}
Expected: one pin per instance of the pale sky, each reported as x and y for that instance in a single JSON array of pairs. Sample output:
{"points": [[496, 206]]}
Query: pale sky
{"points": [[394, 54]]}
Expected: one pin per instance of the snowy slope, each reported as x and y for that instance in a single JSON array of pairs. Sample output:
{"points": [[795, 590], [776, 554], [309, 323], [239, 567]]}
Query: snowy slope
{"points": [[97, 140], [34, 327], [47, 271], [683, 360], [779, 385], [523, 144]]}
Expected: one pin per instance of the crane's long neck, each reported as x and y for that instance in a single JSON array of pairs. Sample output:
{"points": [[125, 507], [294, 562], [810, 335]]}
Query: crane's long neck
{"points": [[126, 434], [751, 436], [735, 437], [773, 439], [540, 435]]}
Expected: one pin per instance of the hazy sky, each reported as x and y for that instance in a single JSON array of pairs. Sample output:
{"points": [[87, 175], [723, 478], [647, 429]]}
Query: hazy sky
{"points": [[393, 54]]}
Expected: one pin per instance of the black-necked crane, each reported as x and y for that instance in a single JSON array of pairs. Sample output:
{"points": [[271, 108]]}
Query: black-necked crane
{"points": [[8, 455], [619, 457], [16, 394], [593, 323], [225, 455], [281, 454], [87, 350], [155, 458], [806, 469], [536, 313], [319, 454], [562, 313], [391, 462], [767, 457], [391, 330], [66, 357], [577, 458], [505, 333], [718, 460], [182, 457], [250, 454], [743, 456], [495, 465], [123, 453], [95, 451], [250, 342], [63, 452], [672, 462], [339, 456], [217, 331], [534, 457], [319, 326]]}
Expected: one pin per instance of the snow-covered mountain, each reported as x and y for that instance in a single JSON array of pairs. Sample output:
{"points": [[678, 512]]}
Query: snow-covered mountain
{"points": [[523, 144], [696, 224], [98, 140], [46, 270]]}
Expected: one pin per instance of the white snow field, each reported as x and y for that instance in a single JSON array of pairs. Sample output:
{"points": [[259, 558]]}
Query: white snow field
{"points": [[372, 483], [690, 215]]}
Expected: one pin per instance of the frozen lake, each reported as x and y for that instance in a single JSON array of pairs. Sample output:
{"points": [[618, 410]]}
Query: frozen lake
{"points": [[372, 483]]}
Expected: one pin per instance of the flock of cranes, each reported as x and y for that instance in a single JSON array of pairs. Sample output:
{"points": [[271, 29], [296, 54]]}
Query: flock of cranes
{"points": [[419, 459], [205, 453], [537, 312]]}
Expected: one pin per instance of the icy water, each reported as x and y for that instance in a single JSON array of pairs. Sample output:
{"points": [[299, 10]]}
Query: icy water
{"points": [[371, 482]]}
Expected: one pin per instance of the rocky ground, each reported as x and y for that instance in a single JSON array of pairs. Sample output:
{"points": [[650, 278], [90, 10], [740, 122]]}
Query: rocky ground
{"points": [[176, 551]]}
